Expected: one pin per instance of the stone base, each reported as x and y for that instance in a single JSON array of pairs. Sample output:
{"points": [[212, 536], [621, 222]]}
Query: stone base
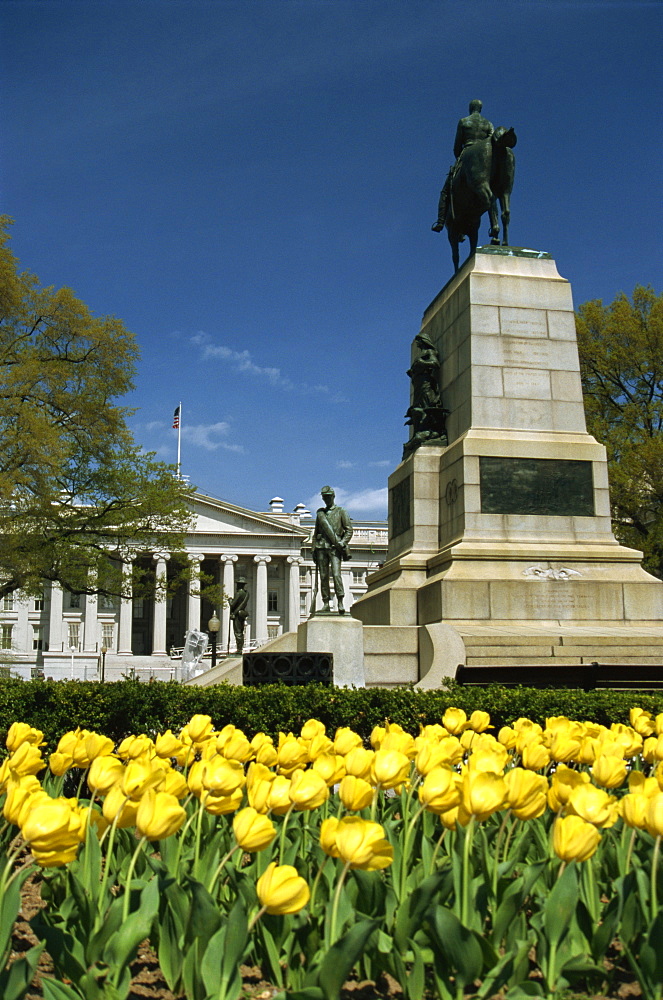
{"points": [[341, 636]]}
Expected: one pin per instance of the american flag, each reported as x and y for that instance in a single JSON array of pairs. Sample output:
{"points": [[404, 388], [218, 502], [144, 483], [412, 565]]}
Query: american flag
{"points": [[176, 418]]}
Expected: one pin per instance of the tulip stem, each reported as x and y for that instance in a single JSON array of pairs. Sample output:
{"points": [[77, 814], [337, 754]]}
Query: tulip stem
{"points": [[256, 917], [316, 882], [406, 845], [629, 851], [130, 875], [437, 849], [199, 831], [498, 844], [654, 873], [465, 885], [219, 869], [337, 898], [283, 830], [374, 803], [109, 851]]}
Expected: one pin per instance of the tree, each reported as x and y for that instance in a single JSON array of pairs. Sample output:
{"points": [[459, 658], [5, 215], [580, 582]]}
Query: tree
{"points": [[621, 365], [78, 497]]}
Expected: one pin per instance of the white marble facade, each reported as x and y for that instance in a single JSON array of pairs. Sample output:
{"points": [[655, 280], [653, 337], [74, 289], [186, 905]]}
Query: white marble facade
{"points": [[61, 635]]}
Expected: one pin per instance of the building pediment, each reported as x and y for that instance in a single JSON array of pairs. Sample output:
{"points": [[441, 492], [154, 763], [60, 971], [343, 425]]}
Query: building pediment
{"points": [[218, 517]]}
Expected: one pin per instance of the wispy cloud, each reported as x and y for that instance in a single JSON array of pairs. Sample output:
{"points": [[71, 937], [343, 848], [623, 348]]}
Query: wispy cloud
{"points": [[343, 464], [359, 503], [382, 464], [209, 436], [242, 361]]}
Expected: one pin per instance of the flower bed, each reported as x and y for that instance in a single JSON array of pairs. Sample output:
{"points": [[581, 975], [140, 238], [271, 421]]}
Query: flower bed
{"points": [[458, 860]]}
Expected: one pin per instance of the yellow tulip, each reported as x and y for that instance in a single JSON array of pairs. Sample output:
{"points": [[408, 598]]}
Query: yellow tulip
{"points": [[658, 724], [535, 756], [362, 844], [355, 793], [429, 756], [633, 810], [378, 733], [198, 728], [21, 732], [281, 890], [258, 772], [53, 825], [609, 771], [328, 829], [167, 745], [454, 721], [488, 760], [312, 728], [159, 815], [18, 794], [562, 783], [564, 746], [654, 815], [482, 794], [139, 775], [526, 793], [308, 790], [330, 767], [319, 746], [104, 773], [134, 747], [258, 795], [117, 804], [574, 839], [253, 832], [589, 750], [630, 741], [278, 799], [174, 783], [507, 737], [221, 805], [292, 755], [260, 739], [593, 805], [389, 768], [221, 776], [479, 721], [402, 742], [237, 748], [440, 790], [97, 745], [267, 755], [26, 759], [60, 763], [346, 740], [642, 722], [358, 762]]}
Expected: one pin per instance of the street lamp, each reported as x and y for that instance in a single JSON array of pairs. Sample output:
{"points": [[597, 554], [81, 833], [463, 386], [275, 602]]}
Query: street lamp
{"points": [[104, 650], [213, 625]]}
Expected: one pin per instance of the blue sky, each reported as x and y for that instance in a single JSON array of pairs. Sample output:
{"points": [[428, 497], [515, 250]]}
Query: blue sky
{"points": [[250, 187]]}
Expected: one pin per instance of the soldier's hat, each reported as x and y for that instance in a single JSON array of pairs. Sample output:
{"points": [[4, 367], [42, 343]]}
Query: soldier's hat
{"points": [[326, 489], [241, 579]]}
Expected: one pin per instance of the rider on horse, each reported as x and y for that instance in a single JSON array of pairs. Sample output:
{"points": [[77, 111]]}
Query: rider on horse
{"points": [[470, 130]]}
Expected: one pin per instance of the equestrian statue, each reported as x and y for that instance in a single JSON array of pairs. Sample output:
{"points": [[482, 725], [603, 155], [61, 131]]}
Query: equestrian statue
{"points": [[481, 177]]}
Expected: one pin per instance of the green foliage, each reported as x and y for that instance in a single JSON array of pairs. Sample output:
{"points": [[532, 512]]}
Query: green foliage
{"points": [[132, 707], [621, 364], [74, 487]]}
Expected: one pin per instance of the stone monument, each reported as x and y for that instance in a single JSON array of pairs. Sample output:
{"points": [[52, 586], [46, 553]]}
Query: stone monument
{"points": [[504, 534]]}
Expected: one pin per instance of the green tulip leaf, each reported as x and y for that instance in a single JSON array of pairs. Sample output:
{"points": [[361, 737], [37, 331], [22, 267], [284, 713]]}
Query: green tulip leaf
{"points": [[204, 916], [122, 947], [53, 990], [410, 912], [560, 906], [15, 980], [458, 944], [340, 958]]}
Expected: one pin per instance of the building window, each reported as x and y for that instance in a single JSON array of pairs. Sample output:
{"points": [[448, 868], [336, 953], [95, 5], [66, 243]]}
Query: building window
{"points": [[38, 605], [358, 576], [37, 637], [107, 630], [107, 602], [303, 573], [303, 604], [138, 607], [8, 603], [272, 631], [6, 637], [272, 602], [74, 632], [74, 601]]}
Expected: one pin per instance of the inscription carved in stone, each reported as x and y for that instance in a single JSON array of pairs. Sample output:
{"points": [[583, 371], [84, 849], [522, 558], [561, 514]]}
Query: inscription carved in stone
{"points": [[542, 486], [399, 505]]}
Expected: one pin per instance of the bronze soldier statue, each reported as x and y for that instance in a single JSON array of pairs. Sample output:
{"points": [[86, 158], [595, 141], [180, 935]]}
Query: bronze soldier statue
{"points": [[332, 532], [239, 612], [469, 130]]}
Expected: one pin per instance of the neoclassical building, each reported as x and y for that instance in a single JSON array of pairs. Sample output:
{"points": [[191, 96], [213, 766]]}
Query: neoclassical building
{"points": [[63, 635]]}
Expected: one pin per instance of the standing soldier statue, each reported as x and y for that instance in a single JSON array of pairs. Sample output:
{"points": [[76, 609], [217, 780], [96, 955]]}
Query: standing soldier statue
{"points": [[332, 532], [239, 613]]}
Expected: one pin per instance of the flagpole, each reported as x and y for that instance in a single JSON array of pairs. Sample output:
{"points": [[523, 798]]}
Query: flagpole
{"points": [[179, 441]]}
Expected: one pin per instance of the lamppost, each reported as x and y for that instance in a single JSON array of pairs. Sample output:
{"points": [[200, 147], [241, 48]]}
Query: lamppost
{"points": [[104, 650], [213, 625]]}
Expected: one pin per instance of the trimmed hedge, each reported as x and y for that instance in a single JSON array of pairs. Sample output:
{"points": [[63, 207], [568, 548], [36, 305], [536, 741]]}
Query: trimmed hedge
{"points": [[133, 707]]}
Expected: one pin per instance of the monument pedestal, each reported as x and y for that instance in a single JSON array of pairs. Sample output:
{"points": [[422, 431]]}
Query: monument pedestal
{"points": [[340, 635], [509, 525]]}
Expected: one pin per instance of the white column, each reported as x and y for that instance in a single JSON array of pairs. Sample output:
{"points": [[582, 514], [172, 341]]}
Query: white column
{"points": [[126, 613], [193, 604], [348, 600], [261, 598], [160, 606], [91, 625], [292, 610], [228, 560], [55, 619]]}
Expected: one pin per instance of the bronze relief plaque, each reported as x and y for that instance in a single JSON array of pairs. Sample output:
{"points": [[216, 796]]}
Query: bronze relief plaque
{"points": [[543, 486], [399, 504]]}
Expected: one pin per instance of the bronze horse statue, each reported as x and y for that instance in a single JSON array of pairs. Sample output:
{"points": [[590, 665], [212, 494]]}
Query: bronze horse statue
{"points": [[482, 178]]}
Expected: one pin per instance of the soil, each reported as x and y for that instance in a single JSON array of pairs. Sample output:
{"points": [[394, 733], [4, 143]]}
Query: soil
{"points": [[148, 983]]}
